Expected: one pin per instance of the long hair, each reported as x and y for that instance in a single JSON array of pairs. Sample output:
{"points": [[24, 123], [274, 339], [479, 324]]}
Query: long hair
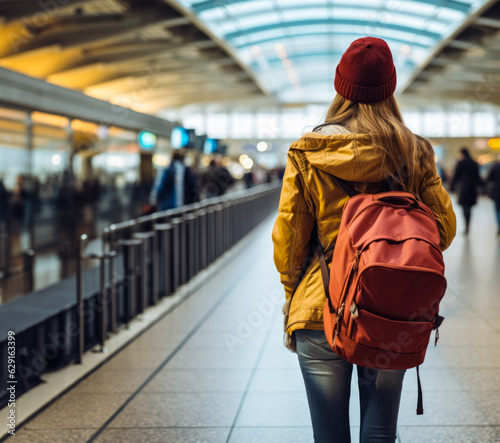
{"points": [[404, 155]]}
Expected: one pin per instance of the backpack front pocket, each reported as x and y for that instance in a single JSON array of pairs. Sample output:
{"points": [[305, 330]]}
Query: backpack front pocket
{"points": [[399, 337]]}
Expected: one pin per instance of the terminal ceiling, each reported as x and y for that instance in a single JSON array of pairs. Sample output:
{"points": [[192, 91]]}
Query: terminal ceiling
{"points": [[152, 55]]}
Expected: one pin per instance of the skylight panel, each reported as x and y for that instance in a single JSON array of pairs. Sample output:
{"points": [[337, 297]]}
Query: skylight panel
{"points": [[291, 3], [251, 38], [410, 7], [263, 19], [405, 20], [439, 28], [227, 27], [249, 7], [188, 3], [376, 4], [451, 15], [305, 14], [212, 15]]}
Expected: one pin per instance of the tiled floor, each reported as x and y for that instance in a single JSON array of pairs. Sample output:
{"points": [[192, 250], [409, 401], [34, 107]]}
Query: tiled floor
{"points": [[214, 369]]}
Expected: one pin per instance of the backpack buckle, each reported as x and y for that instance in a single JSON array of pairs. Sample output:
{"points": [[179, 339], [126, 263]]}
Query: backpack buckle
{"points": [[438, 320], [354, 310]]}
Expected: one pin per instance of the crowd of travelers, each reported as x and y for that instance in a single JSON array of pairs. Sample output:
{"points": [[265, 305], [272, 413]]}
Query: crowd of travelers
{"points": [[179, 184]]}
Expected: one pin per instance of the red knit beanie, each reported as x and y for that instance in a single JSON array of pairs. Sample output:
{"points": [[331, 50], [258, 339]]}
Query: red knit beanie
{"points": [[366, 72]]}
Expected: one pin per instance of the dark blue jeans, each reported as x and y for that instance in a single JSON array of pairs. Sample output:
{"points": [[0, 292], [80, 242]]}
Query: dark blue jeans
{"points": [[327, 378]]}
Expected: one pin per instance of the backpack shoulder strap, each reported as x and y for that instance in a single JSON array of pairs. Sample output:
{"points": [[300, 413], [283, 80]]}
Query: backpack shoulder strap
{"points": [[345, 185], [326, 276], [389, 184]]}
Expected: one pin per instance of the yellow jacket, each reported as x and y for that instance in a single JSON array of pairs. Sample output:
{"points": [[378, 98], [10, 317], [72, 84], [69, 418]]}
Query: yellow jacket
{"points": [[311, 207]]}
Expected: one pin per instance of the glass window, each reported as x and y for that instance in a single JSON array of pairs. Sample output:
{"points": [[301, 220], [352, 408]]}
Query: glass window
{"points": [[266, 18], [459, 124], [439, 28], [294, 123], [50, 144], [217, 125], [450, 15], [305, 14], [484, 124], [434, 124], [414, 7], [13, 144], [269, 125], [413, 121], [196, 121], [242, 125], [316, 115], [239, 9], [15, 204]]}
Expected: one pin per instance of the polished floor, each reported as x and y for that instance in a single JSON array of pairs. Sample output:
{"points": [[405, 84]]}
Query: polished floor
{"points": [[214, 370]]}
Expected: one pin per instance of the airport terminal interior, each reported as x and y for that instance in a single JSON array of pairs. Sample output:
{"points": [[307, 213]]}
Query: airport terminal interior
{"points": [[129, 313]]}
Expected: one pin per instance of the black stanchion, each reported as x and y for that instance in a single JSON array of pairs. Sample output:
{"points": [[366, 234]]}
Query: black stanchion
{"points": [[131, 272], [164, 233], [211, 234], [156, 263], [79, 299], [202, 255], [108, 247], [218, 230], [29, 270], [189, 221], [176, 253], [146, 266]]}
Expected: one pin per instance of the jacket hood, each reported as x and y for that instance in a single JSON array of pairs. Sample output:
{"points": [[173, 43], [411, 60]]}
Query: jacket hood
{"points": [[348, 156]]}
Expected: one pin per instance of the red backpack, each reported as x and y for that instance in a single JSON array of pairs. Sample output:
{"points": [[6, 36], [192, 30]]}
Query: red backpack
{"points": [[386, 282]]}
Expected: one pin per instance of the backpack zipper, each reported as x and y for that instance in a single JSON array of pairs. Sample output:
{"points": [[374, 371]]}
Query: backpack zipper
{"points": [[340, 311]]}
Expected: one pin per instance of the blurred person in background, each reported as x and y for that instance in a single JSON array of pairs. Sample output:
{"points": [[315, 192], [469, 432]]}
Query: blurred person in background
{"points": [[18, 203], [466, 182], [4, 202], [68, 211], [493, 181], [260, 175], [248, 178], [216, 180], [18, 200], [175, 185], [442, 172]]}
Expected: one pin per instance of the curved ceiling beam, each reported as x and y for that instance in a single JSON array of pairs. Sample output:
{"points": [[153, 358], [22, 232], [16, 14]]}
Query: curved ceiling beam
{"points": [[17, 9], [81, 80], [90, 30], [321, 34], [308, 7], [311, 81], [174, 101], [129, 52], [303, 55], [138, 84], [450, 4], [333, 22]]}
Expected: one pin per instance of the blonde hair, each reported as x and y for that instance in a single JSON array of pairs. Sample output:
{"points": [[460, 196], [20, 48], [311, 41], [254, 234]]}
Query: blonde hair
{"points": [[404, 155]]}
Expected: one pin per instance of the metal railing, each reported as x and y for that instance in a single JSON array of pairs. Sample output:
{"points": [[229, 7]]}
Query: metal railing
{"points": [[150, 257], [142, 261]]}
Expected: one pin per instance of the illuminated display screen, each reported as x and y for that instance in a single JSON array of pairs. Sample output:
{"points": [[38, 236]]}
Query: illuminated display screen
{"points": [[147, 140], [210, 146], [179, 137]]}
